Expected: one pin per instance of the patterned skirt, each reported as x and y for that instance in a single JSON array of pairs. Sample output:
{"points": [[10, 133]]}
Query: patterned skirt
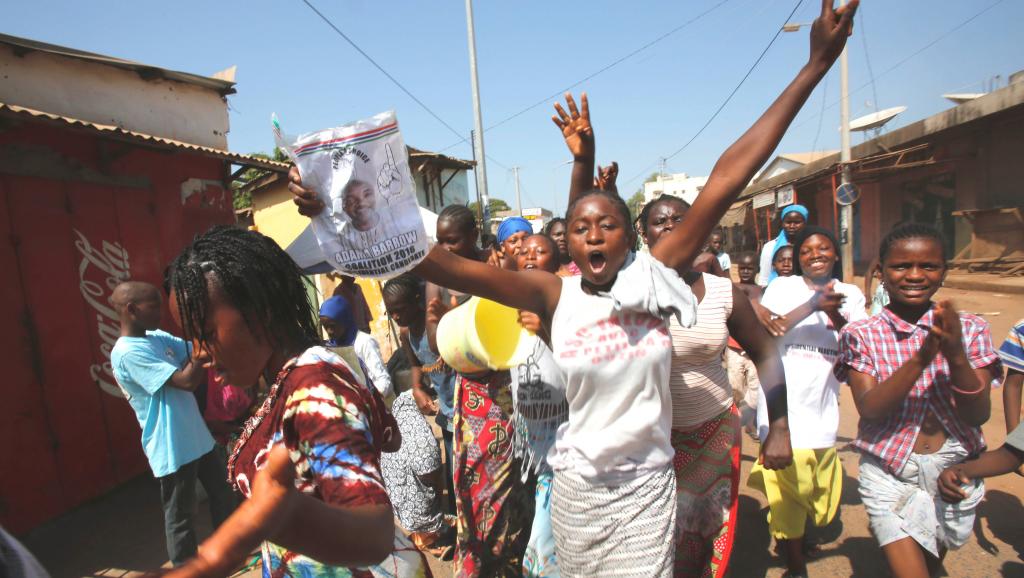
{"points": [[540, 560], [614, 530], [493, 505], [707, 466]]}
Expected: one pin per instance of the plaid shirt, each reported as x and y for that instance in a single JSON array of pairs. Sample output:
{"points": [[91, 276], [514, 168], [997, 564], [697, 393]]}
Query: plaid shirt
{"points": [[880, 345]]}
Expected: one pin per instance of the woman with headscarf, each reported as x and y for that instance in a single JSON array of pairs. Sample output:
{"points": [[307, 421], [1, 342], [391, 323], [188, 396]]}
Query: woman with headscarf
{"points": [[794, 219], [345, 339], [511, 233]]}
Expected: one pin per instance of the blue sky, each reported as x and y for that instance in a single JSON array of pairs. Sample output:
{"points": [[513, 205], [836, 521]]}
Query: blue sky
{"points": [[291, 63]]}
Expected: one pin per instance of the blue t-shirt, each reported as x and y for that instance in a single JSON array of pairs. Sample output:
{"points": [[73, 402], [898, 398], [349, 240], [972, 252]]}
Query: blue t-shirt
{"points": [[173, 431]]}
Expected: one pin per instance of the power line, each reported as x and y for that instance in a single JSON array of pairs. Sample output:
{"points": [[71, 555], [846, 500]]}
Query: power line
{"points": [[734, 91], [393, 79], [603, 69], [904, 60]]}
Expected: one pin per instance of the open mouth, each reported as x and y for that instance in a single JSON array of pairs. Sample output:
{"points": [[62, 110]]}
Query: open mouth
{"points": [[597, 261], [529, 266]]}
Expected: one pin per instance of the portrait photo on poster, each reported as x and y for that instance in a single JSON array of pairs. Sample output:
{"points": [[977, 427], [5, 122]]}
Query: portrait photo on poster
{"points": [[372, 226]]}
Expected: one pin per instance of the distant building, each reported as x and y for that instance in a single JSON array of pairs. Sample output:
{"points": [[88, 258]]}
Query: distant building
{"points": [[789, 161], [958, 170], [679, 185], [537, 216], [108, 168]]}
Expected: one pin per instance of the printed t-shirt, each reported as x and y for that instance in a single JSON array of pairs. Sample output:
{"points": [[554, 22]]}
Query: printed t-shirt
{"points": [[173, 431], [616, 354], [809, 351], [538, 396]]}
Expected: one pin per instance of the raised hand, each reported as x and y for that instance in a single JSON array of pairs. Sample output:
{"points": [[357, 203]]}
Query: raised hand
{"points": [[575, 126], [950, 333], [830, 31], [606, 176], [308, 201]]}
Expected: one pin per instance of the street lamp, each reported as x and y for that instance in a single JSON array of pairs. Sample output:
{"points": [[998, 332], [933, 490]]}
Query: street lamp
{"points": [[846, 210]]}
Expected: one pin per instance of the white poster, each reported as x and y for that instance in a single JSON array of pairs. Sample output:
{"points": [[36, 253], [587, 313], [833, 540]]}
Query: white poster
{"points": [[371, 226]]}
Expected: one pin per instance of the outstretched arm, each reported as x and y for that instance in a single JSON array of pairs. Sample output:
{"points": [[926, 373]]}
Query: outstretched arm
{"points": [[737, 165], [579, 137], [777, 451], [536, 291]]}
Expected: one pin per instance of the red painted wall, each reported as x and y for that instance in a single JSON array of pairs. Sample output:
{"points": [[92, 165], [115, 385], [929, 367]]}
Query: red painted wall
{"points": [[64, 243]]}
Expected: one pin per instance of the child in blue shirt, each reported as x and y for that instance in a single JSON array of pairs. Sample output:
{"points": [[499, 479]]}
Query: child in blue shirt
{"points": [[157, 374]]}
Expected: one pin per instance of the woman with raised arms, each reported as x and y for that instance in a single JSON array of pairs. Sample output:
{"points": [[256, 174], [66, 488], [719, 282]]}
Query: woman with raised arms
{"points": [[613, 499]]}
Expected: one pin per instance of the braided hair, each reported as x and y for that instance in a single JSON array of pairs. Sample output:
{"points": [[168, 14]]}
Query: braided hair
{"points": [[406, 287], [254, 275], [911, 231], [460, 216]]}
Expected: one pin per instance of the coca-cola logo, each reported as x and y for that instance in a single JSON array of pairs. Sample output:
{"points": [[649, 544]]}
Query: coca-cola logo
{"points": [[100, 270]]}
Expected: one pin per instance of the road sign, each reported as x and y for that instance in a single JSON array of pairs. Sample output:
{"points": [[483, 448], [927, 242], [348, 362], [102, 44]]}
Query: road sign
{"points": [[847, 194]]}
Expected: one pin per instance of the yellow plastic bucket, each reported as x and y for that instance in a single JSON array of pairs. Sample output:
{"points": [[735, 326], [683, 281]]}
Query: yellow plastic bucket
{"points": [[480, 335]]}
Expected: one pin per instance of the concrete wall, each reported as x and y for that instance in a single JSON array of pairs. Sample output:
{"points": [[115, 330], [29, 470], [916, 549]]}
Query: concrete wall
{"points": [[113, 96]]}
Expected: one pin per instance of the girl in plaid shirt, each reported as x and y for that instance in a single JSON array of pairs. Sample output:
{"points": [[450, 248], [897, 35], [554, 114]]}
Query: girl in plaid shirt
{"points": [[920, 375]]}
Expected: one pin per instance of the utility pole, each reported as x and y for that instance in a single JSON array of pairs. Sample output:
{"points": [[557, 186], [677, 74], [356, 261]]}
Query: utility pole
{"points": [[478, 122], [519, 202], [845, 156]]}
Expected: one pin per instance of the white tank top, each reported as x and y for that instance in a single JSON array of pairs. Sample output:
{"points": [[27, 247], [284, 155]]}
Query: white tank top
{"points": [[699, 383], [616, 366]]}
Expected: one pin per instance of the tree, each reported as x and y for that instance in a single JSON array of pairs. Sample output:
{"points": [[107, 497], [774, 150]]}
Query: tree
{"points": [[493, 206], [242, 199], [636, 202]]}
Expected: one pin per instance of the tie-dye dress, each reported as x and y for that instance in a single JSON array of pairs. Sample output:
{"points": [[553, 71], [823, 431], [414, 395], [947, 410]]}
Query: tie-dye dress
{"points": [[333, 427]]}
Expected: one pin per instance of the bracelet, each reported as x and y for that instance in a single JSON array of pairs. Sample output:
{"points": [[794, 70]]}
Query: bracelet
{"points": [[968, 393]]}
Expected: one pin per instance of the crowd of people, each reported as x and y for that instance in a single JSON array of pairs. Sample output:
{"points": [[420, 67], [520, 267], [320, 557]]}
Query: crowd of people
{"points": [[613, 447]]}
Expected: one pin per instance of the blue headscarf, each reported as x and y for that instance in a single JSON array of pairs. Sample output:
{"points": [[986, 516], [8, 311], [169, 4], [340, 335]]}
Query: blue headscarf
{"points": [[340, 310], [511, 226], [773, 275], [801, 210]]}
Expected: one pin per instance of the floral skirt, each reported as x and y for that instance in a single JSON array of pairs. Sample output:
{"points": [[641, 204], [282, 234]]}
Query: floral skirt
{"points": [[494, 506], [707, 466]]}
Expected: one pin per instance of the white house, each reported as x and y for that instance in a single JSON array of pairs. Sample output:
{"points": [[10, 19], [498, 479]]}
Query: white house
{"points": [[679, 185]]}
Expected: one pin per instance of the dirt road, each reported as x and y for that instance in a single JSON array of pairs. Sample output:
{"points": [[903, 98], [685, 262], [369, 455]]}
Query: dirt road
{"points": [[121, 534]]}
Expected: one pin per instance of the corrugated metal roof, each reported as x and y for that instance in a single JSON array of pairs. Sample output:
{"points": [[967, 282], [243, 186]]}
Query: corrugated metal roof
{"points": [[111, 131], [444, 160], [146, 71]]}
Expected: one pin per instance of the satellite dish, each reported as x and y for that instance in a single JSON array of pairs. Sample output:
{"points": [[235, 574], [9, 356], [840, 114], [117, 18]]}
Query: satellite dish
{"points": [[847, 194], [962, 97], [875, 119]]}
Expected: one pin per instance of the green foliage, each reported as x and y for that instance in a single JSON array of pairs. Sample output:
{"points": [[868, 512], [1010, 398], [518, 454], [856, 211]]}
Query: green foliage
{"points": [[243, 199], [493, 206]]}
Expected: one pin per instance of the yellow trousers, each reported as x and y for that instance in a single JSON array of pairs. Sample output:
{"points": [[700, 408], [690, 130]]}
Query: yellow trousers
{"points": [[809, 488]]}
